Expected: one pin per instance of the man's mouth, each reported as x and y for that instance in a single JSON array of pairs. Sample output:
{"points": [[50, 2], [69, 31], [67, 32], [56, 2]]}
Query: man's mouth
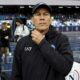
{"points": [[42, 23]]}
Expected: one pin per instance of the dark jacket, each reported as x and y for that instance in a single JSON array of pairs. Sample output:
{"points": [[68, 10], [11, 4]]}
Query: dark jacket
{"points": [[50, 60], [3, 34]]}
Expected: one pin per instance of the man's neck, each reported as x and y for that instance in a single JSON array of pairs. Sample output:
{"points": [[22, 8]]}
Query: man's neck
{"points": [[44, 31]]}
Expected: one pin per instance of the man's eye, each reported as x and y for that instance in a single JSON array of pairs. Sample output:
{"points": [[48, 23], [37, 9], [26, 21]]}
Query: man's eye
{"points": [[46, 14], [37, 14]]}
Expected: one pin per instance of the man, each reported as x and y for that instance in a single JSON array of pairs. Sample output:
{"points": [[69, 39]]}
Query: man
{"points": [[45, 54]]}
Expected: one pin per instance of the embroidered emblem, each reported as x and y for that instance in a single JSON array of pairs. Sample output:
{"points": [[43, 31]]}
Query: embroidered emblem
{"points": [[28, 49]]}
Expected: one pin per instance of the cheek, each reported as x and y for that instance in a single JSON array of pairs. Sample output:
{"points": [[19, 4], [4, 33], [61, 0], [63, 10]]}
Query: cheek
{"points": [[35, 22], [48, 22]]}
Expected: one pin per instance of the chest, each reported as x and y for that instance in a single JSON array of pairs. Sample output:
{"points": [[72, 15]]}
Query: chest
{"points": [[32, 54]]}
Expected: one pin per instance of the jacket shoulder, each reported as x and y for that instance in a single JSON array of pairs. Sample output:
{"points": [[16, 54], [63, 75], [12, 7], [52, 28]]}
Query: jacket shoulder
{"points": [[61, 35], [22, 42], [62, 39], [23, 39]]}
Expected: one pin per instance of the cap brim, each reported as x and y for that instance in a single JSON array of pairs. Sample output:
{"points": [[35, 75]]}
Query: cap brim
{"points": [[41, 6]]}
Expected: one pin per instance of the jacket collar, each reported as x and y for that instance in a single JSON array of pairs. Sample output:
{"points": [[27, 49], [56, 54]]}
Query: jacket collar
{"points": [[51, 33]]}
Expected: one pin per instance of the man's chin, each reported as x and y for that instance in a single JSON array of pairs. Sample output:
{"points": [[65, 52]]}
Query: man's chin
{"points": [[42, 30]]}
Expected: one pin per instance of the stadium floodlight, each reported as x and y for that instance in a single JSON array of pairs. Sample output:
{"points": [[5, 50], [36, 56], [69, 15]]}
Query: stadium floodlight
{"points": [[76, 6], [68, 7], [30, 6], [60, 7], [21, 7]]}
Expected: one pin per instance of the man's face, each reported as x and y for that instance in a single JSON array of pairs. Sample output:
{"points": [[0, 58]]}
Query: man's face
{"points": [[41, 19]]}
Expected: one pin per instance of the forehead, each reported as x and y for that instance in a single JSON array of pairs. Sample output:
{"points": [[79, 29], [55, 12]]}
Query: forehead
{"points": [[41, 10]]}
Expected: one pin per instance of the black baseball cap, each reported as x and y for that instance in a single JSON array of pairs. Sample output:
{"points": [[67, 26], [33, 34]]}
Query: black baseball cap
{"points": [[41, 5]]}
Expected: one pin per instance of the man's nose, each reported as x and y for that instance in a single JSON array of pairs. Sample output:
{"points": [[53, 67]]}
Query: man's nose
{"points": [[42, 17]]}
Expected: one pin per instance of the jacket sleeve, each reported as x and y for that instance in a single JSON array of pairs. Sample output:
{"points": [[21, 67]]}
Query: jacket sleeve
{"points": [[61, 60], [17, 67]]}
